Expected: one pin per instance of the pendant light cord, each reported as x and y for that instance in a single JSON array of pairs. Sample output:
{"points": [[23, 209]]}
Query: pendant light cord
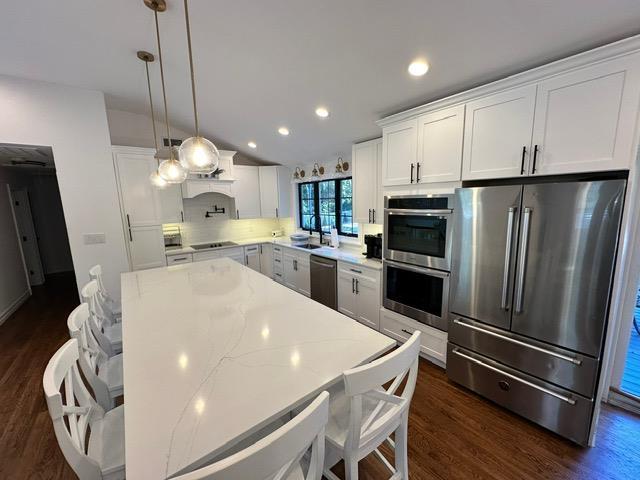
{"points": [[193, 79], [153, 120], [164, 93]]}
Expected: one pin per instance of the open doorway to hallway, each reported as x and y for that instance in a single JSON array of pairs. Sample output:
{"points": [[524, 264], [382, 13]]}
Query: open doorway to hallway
{"points": [[32, 221]]}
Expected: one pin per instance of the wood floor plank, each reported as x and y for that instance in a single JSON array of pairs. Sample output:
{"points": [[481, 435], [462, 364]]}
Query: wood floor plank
{"points": [[453, 433]]}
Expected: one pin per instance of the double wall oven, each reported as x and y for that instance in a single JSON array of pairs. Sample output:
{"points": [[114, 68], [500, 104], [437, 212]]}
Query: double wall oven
{"points": [[417, 256]]}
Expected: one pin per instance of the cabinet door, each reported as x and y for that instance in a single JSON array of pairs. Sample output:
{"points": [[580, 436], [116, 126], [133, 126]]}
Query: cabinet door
{"points": [[585, 119], [497, 129], [268, 191], [303, 279], [171, 210], [284, 192], [368, 300], [289, 271], [378, 209], [399, 152], [365, 181], [146, 247], [266, 259], [346, 293], [140, 201], [236, 254], [246, 190], [252, 257], [440, 136]]}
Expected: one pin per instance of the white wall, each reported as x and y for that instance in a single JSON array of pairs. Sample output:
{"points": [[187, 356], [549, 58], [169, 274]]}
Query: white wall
{"points": [[74, 123], [134, 130]]}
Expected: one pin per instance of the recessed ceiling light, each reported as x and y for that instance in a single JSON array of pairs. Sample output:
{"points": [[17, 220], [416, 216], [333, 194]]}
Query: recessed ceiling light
{"points": [[418, 68], [322, 112], [283, 131], [252, 144]]}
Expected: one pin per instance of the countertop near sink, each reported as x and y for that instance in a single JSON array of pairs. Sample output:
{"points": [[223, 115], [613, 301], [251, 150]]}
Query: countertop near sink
{"points": [[345, 253]]}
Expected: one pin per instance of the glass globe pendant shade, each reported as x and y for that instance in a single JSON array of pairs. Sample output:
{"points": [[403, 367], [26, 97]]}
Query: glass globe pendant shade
{"points": [[172, 171], [157, 181], [199, 155]]}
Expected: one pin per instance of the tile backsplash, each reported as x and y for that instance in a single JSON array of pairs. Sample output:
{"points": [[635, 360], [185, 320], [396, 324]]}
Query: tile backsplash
{"points": [[196, 228]]}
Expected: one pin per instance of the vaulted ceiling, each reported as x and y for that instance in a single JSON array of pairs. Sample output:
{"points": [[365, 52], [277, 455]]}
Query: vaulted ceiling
{"points": [[261, 64]]}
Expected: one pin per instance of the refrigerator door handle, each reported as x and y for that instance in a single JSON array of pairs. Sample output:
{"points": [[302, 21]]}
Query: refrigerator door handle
{"points": [[523, 259], [507, 259], [569, 400]]}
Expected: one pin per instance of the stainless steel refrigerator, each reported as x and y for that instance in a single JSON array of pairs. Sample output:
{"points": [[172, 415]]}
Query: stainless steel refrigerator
{"points": [[531, 274]]}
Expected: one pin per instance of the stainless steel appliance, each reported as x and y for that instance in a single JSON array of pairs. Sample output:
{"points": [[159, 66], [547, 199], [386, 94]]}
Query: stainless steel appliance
{"points": [[531, 275], [417, 292], [417, 230], [324, 287], [374, 245]]}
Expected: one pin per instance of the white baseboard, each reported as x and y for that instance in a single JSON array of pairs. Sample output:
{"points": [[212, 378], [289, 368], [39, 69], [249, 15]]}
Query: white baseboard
{"points": [[14, 306]]}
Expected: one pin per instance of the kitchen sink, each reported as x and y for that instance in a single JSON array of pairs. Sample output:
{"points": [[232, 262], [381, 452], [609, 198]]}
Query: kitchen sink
{"points": [[206, 246], [309, 246]]}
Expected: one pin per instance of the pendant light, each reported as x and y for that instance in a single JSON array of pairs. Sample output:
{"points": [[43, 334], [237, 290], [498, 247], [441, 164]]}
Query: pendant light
{"points": [[155, 179], [197, 154], [170, 170]]}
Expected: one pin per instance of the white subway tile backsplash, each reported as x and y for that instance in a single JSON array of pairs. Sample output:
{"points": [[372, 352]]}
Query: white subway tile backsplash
{"points": [[222, 227]]}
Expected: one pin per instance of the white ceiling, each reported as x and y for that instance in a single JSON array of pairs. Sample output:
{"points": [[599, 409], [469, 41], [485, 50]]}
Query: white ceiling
{"points": [[265, 63]]}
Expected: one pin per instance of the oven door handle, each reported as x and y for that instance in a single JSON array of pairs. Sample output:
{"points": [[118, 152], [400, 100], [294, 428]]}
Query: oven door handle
{"points": [[426, 212], [412, 268]]}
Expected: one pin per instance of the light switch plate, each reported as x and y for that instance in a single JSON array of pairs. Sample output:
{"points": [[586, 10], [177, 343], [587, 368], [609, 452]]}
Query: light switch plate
{"points": [[94, 238]]}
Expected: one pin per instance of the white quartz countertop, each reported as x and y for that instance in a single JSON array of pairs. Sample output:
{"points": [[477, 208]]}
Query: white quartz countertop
{"points": [[346, 253], [214, 351]]}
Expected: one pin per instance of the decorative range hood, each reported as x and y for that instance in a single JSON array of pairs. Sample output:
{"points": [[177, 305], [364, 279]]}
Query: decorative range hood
{"points": [[196, 185]]}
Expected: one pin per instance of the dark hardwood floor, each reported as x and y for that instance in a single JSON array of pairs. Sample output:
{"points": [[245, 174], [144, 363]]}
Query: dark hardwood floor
{"points": [[453, 433]]}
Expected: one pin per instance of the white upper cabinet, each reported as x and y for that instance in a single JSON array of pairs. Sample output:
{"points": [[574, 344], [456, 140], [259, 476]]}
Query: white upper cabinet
{"points": [[171, 209], [140, 200], [367, 192], [440, 136], [399, 153], [246, 191], [497, 134], [585, 119], [275, 191]]}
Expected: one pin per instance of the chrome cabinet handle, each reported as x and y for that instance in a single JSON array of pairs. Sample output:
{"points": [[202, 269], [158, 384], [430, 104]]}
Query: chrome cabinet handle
{"points": [[507, 259], [573, 360], [129, 226], [523, 259], [570, 401], [412, 173]]}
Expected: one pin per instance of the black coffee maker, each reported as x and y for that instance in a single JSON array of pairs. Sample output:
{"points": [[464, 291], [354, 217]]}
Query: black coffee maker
{"points": [[374, 245]]}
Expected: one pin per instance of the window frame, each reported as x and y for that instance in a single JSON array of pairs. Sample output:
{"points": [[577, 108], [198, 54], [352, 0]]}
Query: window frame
{"points": [[316, 205]]}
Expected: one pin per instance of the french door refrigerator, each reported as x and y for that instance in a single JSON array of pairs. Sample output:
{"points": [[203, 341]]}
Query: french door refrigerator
{"points": [[531, 274]]}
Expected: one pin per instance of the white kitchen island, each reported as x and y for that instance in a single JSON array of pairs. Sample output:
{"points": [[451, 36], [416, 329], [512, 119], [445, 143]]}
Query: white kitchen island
{"points": [[214, 351]]}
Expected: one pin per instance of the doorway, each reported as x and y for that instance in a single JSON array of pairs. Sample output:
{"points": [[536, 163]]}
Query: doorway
{"points": [[30, 176], [630, 383]]}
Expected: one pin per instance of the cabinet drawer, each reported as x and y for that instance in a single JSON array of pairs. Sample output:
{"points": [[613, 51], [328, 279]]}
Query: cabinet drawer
{"points": [[200, 256], [278, 276], [235, 253], [564, 368], [433, 343], [178, 259], [557, 409]]}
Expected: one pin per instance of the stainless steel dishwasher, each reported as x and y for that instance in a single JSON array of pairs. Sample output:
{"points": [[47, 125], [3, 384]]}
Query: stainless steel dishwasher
{"points": [[324, 281]]}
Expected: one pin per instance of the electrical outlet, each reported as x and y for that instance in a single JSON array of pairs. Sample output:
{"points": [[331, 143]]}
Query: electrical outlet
{"points": [[94, 238]]}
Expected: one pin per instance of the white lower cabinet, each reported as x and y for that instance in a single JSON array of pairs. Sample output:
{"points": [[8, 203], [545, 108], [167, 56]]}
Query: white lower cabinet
{"points": [[359, 293], [296, 271], [146, 247], [266, 259], [235, 253], [179, 258], [433, 342], [252, 257], [278, 265]]}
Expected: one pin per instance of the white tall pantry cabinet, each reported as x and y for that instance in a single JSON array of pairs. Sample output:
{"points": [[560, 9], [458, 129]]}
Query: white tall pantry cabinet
{"points": [[144, 208]]}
